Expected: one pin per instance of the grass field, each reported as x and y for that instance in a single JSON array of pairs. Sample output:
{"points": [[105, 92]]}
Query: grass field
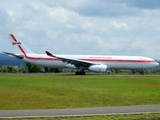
{"points": [[77, 91]]}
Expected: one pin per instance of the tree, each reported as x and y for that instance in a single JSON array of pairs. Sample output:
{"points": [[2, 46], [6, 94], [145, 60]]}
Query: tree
{"points": [[34, 68], [7, 68]]}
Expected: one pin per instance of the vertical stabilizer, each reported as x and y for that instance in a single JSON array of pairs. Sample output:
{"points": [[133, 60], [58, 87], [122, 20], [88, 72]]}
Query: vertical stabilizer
{"points": [[18, 47]]}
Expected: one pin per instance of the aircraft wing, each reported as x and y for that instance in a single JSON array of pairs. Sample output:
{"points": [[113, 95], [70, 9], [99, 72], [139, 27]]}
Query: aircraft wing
{"points": [[73, 61], [14, 55]]}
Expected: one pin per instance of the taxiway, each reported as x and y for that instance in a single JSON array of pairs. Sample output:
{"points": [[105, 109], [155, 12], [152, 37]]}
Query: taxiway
{"points": [[80, 112]]}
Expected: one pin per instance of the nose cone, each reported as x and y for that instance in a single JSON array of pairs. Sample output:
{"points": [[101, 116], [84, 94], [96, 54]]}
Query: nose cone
{"points": [[157, 62]]}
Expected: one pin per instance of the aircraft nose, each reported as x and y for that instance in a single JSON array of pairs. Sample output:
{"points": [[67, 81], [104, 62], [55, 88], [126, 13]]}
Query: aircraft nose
{"points": [[157, 62]]}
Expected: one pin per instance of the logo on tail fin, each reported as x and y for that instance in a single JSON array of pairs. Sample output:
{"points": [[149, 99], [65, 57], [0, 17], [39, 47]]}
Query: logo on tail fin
{"points": [[14, 43]]}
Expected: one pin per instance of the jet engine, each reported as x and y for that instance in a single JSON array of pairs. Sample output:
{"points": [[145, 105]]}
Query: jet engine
{"points": [[98, 68]]}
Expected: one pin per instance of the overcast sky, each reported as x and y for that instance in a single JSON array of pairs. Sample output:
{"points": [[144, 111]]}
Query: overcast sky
{"points": [[102, 27]]}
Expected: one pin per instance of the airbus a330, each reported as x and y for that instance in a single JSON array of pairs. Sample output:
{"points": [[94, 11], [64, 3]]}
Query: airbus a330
{"points": [[82, 63]]}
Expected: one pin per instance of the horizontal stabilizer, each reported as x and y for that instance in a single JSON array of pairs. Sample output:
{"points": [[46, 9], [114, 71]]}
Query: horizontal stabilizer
{"points": [[12, 54]]}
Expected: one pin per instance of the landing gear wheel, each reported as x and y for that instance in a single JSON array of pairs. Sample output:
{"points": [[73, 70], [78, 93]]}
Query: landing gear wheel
{"points": [[77, 73], [83, 72], [80, 73]]}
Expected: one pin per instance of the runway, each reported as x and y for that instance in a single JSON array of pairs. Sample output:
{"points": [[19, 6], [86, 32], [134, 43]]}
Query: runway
{"points": [[80, 112], [72, 74]]}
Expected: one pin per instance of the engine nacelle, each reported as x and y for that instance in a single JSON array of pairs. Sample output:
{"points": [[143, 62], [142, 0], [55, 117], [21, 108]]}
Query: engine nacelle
{"points": [[98, 68]]}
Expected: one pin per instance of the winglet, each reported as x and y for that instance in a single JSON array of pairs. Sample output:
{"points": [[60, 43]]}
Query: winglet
{"points": [[50, 54]]}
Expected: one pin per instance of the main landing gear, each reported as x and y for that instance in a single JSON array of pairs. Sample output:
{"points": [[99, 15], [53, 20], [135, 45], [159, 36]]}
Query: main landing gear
{"points": [[80, 72]]}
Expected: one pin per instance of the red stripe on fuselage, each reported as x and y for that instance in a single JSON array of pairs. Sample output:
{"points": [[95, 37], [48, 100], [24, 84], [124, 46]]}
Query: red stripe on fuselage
{"points": [[119, 61], [36, 58], [89, 60]]}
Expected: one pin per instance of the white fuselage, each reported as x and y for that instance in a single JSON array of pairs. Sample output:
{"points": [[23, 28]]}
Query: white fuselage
{"points": [[112, 62], [95, 63]]}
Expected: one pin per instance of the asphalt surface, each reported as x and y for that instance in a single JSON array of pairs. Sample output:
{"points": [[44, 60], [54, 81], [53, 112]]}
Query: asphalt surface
{"points": [[124, 110], [69, 74]]}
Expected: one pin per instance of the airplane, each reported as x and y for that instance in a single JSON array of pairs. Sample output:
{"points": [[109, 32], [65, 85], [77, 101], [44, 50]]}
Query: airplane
{"points": [[94, 63]]}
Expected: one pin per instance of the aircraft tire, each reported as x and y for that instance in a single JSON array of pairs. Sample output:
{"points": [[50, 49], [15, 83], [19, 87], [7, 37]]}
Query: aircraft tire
{"points": [[77, 73], [83, 72], [80, 73]]}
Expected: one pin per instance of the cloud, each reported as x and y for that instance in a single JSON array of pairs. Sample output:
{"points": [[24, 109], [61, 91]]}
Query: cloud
{"points": [[52, 34], [103, 8], [120, 27], [143, 4]]}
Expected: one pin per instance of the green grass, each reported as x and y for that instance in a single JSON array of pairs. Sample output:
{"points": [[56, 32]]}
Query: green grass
{"points": [[58, 92]]}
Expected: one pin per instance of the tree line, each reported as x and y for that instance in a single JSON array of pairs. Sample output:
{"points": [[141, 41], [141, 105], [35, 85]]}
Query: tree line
{"points": [[30, 68]]}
